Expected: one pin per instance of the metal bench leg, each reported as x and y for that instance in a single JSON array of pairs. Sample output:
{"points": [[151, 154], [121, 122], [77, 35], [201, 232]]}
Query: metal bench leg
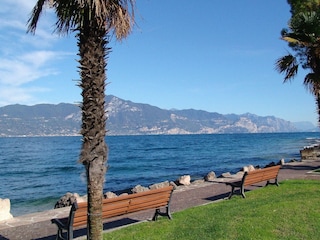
{"points": [[158, 212], [232, 192], [242, 192], [70, 233], [275, 182], [155, 216], [59, 234]]}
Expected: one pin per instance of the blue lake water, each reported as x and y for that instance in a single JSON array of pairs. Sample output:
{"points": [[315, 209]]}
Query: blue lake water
{"points": [[35, 172]]}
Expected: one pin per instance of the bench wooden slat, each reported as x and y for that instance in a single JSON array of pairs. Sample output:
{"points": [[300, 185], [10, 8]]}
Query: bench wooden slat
{"points": [[150, 197], [146, 206], [81, 212], [112, 211], [115, 205], [140, 205], [269, 175], [120, 205], [80, 216], [80, 221], [149, 203], [252, 181]]}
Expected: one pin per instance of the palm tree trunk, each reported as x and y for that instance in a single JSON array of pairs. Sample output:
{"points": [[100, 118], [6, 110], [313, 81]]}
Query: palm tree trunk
{"points": [[92, 61], [317, 95]]}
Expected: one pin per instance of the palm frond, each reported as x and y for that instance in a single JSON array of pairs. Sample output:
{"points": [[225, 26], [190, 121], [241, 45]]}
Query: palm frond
{"points": [[120, 17], [312, 83], [301, 39], [114, 15], [35, 15], [288, 65], [68, 14]]}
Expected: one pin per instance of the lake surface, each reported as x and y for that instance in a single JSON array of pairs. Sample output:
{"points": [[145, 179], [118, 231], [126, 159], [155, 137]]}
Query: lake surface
{"points": [[35, 172]]}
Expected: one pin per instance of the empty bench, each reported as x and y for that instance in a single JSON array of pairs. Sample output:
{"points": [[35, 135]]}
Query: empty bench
{"points": [[256, 176], [112, 207]]}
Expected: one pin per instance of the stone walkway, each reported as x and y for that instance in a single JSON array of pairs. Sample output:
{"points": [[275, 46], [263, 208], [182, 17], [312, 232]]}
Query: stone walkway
{"points": [[37, 226]]}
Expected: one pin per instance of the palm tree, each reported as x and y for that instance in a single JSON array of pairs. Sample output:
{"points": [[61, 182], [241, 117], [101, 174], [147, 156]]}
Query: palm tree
{"points": [[303, 37], [93, 21], [298, 6]]}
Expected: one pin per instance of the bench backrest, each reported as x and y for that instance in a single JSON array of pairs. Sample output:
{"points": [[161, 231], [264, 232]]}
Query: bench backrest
{"points": [[150, 199], [124, 204], [261, 175]]}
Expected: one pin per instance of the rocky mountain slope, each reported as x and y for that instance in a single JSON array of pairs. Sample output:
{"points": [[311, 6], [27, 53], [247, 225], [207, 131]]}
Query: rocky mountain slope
{"points": [[128, 118]]}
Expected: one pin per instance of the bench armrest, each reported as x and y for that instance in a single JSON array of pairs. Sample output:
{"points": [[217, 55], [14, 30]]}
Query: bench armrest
{"points": [[61, 223], [234, 183]]}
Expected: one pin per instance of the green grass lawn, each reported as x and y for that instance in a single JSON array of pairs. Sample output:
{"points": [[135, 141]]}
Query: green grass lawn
{"points": [[291, 211]]}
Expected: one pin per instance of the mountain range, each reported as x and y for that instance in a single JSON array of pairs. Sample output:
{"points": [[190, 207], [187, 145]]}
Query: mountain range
{"points": [[129, 118]]}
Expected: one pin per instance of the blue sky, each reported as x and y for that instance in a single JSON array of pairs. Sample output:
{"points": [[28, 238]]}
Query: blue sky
{"points": [[212, 55]]}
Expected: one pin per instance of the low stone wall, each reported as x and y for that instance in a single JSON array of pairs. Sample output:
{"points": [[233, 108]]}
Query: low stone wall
{"points": [[310, 153]]}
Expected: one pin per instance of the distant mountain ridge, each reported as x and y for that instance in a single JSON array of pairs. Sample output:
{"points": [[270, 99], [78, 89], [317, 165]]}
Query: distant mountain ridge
{"points": [[129, 118], [306, 126]]}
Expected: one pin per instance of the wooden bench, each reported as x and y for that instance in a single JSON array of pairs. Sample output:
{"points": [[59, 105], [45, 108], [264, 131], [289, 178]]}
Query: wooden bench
{"points": [[256, 176], [112, 207]]}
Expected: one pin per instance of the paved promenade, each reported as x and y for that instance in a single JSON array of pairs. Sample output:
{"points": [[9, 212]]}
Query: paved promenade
{"points": [[37, 226]]}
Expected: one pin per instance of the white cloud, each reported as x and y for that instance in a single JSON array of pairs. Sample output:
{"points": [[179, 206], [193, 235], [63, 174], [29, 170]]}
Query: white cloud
{"points": [[15, 14], [39, 58], [17, 6], [25, 59], [27, 68], [13, 24], [13, 95]]}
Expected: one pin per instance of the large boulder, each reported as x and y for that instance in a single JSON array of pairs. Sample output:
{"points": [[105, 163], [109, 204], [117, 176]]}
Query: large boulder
{"points": [[198, 181], [226, 175], [211, 176], [238, 175], [248, 168], [5, 209], [68, 199], [184, 180], [159, 185], [139, 188], [110, 195]]}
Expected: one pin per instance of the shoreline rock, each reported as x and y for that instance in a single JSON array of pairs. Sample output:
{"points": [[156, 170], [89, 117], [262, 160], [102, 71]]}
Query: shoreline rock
{"points": [[68, 199], [184, 180], [5, 209]]}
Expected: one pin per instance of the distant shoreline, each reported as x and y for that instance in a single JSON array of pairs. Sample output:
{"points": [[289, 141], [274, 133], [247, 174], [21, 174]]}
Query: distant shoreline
{"points": [[160, 134]]}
